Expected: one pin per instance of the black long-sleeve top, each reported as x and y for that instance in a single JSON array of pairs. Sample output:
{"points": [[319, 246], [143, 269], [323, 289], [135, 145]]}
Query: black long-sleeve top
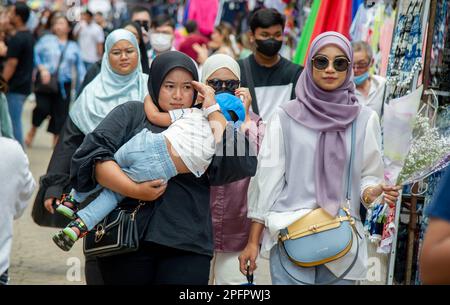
{"points": [[56, 181], [181, 217]]}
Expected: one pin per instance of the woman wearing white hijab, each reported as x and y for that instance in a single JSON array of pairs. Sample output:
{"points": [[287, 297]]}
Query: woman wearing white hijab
{"points": [[229, 201], [120, 80]]}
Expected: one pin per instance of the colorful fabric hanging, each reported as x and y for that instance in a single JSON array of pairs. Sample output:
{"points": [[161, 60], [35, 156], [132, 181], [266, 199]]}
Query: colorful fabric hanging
{"points": [[356, 4], [305, 38], [332, 16]]}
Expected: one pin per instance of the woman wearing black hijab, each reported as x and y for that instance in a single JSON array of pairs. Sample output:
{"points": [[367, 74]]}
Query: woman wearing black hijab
{"points": [[175, 229]]}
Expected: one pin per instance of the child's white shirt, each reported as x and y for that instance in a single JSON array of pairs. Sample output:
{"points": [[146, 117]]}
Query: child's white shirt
{"points": [[191, 136]]}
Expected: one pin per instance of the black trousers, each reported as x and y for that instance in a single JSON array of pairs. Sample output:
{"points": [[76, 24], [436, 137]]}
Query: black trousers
{"points": [[156, 264], [92, 271], [54, 106]]}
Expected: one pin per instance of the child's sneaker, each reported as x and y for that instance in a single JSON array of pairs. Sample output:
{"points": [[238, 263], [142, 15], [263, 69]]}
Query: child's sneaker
{"points": [[68, 206], [67, 237]]}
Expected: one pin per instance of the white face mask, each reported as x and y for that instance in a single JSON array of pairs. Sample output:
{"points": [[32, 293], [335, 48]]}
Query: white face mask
{"points": [[161, 42]]}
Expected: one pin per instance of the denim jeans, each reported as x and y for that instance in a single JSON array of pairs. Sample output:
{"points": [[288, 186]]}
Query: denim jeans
{"points": [[15, 105], [144, 157], [4, 279], [314, 275]]}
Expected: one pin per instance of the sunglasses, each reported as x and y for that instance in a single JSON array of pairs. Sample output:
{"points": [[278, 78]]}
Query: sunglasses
{"points": [[230, 84], [340, 64]]}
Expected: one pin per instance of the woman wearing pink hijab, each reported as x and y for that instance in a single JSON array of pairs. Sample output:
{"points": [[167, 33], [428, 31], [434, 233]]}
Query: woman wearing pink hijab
{"points": [[303, 165]]}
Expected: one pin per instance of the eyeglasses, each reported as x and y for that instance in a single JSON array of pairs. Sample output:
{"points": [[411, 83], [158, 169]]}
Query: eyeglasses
{"points": [[361, 65], [340, 64], [230, 84]]}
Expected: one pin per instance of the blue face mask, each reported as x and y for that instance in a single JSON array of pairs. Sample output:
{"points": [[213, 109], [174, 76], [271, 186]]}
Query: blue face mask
{"points": [[232, 107], [358, 80]]}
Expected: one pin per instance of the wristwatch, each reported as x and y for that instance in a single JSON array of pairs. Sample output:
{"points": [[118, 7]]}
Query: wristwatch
{"points": [[210, 109]]}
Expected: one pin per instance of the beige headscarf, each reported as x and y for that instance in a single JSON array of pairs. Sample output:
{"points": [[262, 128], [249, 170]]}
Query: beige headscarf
{"points": [[218, 61]]}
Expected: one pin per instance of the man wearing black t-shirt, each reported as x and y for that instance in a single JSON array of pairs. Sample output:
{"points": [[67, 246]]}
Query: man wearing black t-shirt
{"points": [[19, 66], [273, 77]]}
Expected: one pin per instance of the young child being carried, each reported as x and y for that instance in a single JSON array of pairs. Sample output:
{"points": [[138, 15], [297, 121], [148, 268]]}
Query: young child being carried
{"points": [[187, 146]]}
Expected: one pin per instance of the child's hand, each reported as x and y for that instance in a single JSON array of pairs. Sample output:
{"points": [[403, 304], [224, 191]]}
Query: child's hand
{"points": [[206, 94], [153, 114], [245, 93]]}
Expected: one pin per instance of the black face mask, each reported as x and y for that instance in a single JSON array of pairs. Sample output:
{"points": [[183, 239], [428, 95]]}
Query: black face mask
{"points": [[269, 47]]}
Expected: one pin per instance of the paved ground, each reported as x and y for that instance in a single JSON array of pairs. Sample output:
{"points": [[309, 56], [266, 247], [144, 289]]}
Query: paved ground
{"points": [[34, 258]]}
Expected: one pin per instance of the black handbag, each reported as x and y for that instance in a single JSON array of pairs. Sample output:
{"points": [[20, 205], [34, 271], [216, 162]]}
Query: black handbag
{"points": [[52, 87], [49, 88], [116, 234]]}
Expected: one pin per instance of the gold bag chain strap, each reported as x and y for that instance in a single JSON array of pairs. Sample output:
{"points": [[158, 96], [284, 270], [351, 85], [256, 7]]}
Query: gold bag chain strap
{"points": [[133, 214], [348, 201], [101, 227]]}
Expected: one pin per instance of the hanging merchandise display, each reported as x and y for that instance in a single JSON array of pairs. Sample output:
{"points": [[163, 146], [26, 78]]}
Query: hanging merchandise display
{"points": [[372, 22], [440, 56], [405, 60], [418, 55]]}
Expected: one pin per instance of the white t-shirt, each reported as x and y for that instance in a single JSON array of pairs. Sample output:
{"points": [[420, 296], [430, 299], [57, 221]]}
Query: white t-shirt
{"points": [[376, 94], [16, 188], [191, 136], [89, 35]]}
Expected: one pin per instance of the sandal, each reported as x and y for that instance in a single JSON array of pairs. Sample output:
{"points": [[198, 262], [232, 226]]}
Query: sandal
{"points": [[68, 206], [67, 237]]}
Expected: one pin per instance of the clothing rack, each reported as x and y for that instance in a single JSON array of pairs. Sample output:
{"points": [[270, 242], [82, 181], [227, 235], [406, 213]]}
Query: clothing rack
{"points": [[412, 216], [412, 225], [417, 220], [437, 92], [390, 274]]}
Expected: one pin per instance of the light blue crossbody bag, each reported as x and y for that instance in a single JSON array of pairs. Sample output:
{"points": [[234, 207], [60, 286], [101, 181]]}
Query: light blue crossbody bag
{"points": [[319, 238]]}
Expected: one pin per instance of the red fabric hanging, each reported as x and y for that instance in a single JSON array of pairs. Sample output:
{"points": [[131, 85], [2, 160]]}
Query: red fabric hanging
{"points": [[333, 16]]}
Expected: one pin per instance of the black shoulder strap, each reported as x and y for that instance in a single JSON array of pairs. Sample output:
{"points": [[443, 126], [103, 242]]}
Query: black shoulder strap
{"points": [[61, 57], [251, 84]]}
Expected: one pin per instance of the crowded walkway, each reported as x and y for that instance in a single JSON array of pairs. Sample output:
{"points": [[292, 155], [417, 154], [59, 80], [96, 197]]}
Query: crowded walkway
{"points": [[210, 142]]}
